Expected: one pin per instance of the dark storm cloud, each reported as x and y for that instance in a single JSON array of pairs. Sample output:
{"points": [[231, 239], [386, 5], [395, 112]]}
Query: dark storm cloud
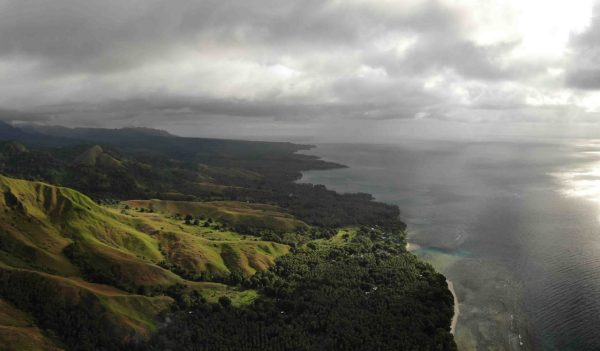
{"points": [[584, 69], [192, 108], [113, 35], [117, 62], [95, 38]]}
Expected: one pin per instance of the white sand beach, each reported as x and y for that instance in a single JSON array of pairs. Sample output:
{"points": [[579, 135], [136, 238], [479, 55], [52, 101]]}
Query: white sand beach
{"points": [[456, 308]]}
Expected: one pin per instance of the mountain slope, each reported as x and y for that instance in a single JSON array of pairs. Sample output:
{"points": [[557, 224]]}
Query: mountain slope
{"points": [[238, 215], [76, 266], [8, 132], [18, 332], [95, 156], [40, 221]]}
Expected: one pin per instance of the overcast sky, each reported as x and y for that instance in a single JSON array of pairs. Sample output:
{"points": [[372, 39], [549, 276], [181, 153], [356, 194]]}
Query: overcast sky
{"points": [[328, 70]]}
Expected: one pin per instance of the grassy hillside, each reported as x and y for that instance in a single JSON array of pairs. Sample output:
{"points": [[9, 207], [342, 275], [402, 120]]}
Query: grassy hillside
{"points": [[239, 215], [40, 223], [60, 231], [60, 252], [197, 255], [95, 156], [75, 309], [18, 332], [207, 249]]}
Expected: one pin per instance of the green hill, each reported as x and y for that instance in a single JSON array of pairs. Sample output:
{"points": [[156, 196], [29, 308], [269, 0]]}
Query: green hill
{"points": [[206, 249], [60, 231], [60, 252], [95, 156], [235, 214], [40, 221]]}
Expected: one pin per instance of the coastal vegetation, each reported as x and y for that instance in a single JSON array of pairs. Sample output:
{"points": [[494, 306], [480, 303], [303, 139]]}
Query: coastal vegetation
{"points": [[136, 239]]}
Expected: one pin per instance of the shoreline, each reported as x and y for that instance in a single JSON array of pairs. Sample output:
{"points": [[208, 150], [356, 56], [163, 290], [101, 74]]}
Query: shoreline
{"points": [[411, 248], [456, 308]]}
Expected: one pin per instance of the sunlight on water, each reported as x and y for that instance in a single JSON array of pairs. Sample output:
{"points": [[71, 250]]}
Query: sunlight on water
{"points": [[584, 181]]}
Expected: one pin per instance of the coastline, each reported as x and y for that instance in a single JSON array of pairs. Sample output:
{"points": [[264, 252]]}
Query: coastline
{"points": [[456, 308], [410, 248]]}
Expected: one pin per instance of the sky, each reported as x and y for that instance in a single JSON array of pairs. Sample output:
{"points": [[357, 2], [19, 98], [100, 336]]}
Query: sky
{"points": [[322, 70]]}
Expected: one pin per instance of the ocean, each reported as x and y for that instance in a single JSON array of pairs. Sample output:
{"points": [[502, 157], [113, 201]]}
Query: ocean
{"points": [[514, 225]]}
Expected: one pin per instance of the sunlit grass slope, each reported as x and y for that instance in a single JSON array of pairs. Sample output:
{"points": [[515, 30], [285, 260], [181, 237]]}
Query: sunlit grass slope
{"points": [[197, 249], [42, 225], [232, 213], [60, 251]]}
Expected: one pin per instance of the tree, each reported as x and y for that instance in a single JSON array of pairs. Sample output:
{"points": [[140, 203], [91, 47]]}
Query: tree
{"points": [[188, 219], [225, 301]]}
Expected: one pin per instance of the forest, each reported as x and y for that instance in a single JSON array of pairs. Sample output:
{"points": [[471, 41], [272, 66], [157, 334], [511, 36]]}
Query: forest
{"points": [[367, 294]]}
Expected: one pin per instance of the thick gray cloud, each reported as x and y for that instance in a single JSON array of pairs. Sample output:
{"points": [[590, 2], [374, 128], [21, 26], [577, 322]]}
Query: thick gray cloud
{"points": [[279, 63], [14, 115], [113, 34], [584, 69]]}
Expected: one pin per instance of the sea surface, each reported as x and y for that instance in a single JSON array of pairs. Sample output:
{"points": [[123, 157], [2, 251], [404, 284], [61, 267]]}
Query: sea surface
{"points": [[515, 226]]}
